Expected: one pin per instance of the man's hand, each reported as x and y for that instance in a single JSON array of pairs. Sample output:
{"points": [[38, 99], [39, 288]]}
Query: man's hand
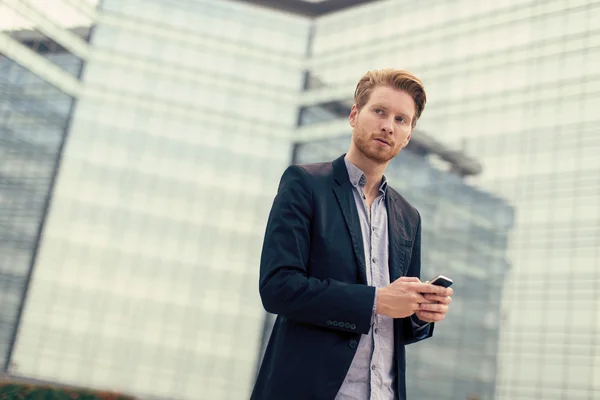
{"points": [[436, 307], [406, 296]]}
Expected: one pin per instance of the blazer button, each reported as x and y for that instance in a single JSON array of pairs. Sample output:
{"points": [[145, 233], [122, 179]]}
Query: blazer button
{"points": [[353, 343], [352, 326], [347, 325], [329, 322]]}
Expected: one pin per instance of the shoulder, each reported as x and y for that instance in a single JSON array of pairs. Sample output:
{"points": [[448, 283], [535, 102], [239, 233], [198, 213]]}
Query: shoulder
{"points": [[301, 182], [310, 174], [317, 170]]}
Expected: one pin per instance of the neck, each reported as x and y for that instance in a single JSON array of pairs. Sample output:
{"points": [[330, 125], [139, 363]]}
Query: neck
{"points": [[373, 170]]}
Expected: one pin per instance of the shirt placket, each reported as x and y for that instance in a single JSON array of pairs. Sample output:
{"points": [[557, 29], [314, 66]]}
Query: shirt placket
{"points": [[371, 277], [376, 378]]}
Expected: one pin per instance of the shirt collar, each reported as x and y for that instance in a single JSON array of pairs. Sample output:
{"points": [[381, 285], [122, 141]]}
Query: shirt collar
{"points": [[358, 178]]}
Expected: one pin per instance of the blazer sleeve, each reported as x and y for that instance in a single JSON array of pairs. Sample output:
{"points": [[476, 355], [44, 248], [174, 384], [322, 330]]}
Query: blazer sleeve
{"points": [[286, 288], [414, 329]]}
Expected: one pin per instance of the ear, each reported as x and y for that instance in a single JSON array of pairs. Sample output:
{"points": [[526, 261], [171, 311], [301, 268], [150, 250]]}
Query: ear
{"points": [[407, 139], [353, 116]]}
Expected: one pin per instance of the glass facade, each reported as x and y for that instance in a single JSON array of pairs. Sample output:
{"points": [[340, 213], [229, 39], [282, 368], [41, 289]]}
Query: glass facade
{"points": [[146, 280], [34, 118]]}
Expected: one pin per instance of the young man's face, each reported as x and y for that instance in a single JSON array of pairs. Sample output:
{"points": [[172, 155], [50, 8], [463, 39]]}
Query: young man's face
{"points": [[383, 126]]}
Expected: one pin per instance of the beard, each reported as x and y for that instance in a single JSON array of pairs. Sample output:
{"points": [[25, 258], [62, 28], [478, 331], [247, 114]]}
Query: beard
{"points": [[366, 145]]}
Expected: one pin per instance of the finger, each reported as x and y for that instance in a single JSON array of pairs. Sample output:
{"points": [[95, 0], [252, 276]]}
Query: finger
{"points": [[422, 317], [418, 299], [437, 308], [429, 288], [438, 299], [428, 300], [428, 316], [433, 298], [408, 279], [447, 292]]}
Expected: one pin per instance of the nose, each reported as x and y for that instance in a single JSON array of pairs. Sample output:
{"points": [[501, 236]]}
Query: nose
{"points": [[386, 126]]}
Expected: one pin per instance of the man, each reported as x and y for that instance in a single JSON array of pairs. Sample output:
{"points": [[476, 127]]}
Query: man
{"points": [[341, 262]]}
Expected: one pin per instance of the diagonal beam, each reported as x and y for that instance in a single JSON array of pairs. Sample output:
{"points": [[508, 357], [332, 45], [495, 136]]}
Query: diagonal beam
{"points": [[64, 37], [39, 65]]}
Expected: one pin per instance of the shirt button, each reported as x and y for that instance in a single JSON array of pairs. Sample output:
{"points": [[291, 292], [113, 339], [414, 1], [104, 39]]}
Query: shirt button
{"points": [[373, 229], [373, 367], [374, 260], [376, 330]]}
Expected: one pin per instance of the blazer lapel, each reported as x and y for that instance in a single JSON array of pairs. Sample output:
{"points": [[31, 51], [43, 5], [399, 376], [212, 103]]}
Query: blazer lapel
{"points": [[397, 233], [345, 198]]}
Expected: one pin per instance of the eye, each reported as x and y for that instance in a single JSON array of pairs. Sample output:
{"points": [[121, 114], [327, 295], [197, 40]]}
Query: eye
{"points": [[378, 111], [400, 119]]}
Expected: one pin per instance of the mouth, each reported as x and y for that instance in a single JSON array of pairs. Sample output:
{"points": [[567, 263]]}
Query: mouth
{"points": [[382, 142]]}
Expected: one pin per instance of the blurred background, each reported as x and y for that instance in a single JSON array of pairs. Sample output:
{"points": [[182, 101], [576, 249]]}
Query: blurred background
{"points": [[142, 142]]}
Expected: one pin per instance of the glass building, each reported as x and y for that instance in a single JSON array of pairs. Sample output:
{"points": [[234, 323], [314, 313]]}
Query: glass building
{"points": [[145, 280], [149, 162], [34, 120]]}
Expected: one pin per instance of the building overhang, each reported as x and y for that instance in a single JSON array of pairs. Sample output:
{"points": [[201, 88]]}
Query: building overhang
{"points": [[308, 8]]}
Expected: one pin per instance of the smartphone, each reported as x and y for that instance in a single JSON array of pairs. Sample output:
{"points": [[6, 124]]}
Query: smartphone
{"points": [[441, 280]]}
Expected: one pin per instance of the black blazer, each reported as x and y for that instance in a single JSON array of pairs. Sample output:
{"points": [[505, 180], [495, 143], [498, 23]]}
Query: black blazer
{"points": [[313, 276]]}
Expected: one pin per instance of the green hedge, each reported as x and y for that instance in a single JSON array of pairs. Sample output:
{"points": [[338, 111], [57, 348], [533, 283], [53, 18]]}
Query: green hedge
{"points": [[17, 391]]}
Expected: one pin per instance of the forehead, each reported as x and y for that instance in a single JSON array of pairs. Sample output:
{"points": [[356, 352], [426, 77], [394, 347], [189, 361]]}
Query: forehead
{"points": [[394, 100]]}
